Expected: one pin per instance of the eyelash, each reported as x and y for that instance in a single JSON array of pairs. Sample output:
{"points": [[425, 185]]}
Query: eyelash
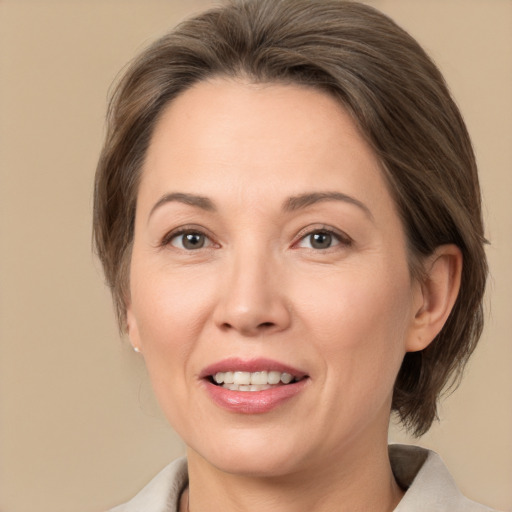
{"points": [[341, 238], [169, 237]]}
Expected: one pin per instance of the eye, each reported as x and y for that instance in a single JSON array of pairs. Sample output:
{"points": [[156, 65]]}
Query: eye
{"points": [[188, 240], [322, 239]]}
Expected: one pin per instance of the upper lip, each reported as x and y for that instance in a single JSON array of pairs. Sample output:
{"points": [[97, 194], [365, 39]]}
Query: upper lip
{"points": [[250, 365]]}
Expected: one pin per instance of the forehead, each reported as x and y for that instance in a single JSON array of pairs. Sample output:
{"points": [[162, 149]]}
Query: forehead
{"points": [[226, 135]]}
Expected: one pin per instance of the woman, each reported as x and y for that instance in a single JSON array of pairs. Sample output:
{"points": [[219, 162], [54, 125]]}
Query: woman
{"points": [[288, 213]]}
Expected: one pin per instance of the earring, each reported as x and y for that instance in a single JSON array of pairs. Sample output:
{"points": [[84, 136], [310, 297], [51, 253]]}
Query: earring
{"points": [[136, 349]]}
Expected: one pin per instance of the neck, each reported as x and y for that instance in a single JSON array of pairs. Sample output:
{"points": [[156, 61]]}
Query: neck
{"points": [[361, 480]]}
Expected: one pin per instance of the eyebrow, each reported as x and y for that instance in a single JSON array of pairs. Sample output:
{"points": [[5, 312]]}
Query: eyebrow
{"points": [[293, 203], [304, 200], [191, 199]]}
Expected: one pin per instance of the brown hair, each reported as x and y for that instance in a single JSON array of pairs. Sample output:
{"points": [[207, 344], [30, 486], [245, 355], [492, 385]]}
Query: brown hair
{"points": [[395, 94]]}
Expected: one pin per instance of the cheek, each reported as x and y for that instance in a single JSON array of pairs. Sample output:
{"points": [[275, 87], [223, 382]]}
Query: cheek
{"points": [[169, 307], [169, 310], [360, 322], [355, 302]]}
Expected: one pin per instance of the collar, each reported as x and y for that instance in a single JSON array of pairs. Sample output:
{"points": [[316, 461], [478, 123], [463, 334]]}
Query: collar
{"points": [[429, 486]]}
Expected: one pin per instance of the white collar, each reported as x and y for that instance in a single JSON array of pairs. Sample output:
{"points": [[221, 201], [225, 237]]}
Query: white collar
{"points": [[430, 487]]}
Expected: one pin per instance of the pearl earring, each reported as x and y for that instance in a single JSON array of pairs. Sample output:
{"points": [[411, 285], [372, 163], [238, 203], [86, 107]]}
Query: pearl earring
{"points": [[136, 349]]}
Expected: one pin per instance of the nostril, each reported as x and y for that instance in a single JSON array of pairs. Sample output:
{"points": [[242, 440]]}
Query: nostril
{"points": [[247, 329]]}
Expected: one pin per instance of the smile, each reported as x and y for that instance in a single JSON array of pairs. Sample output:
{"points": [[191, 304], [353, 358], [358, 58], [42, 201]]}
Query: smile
{"points": [[252, 386], [252, 381]]}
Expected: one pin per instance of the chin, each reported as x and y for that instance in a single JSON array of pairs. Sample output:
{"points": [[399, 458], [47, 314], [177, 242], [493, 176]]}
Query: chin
{"points": [[252, 455]]}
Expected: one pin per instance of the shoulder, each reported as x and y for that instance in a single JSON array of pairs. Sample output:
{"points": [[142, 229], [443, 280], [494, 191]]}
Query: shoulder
{"points": [[428, 482], [162, 493]]}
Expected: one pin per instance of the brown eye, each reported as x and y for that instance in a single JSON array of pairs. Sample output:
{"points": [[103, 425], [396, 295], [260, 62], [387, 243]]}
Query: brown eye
{"points": [[319, 240], [189, 240]]}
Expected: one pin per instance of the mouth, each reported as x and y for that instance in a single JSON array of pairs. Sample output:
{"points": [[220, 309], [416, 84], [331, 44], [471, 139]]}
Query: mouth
{"points": [[237, 380], [260, 374], [252, 386]]}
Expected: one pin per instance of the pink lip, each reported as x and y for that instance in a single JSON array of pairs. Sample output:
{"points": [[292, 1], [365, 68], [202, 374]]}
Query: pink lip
{"points": [[252, 402]]}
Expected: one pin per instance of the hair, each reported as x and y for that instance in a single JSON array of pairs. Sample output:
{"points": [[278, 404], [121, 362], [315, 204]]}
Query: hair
{"points": [[395, 95]]}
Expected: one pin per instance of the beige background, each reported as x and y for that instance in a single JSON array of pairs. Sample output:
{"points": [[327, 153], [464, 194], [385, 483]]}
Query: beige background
{"points": [[79, 430]]}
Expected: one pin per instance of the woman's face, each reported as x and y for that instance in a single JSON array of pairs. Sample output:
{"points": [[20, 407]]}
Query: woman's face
{"points": [[266, 241]]}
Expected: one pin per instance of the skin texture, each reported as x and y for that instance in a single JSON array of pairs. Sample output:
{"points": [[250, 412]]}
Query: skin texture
{"points": [[259, 287]]}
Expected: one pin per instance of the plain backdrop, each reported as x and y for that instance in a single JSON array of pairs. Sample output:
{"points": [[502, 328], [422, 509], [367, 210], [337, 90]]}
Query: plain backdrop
{"points": [[79, 429]]}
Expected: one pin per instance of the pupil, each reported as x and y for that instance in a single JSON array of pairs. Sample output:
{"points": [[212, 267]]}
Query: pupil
{"points": [[321, 240], [193, 241]]}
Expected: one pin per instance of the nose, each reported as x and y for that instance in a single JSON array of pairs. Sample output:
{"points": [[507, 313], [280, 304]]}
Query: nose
{"points": [[252, 298]]}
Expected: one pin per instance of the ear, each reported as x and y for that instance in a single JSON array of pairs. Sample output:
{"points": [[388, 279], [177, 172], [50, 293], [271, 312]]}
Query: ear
{"points": [[436, 295], [132, 329]]}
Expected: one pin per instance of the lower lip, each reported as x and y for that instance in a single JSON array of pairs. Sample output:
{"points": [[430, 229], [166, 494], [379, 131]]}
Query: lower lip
{"points": [[253, 402]]}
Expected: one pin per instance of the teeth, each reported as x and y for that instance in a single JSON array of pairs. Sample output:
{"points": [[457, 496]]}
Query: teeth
{"points": [[246, 387], [259, 378], [241, 378], [274, 377], [251, 381], [286, 378]]}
